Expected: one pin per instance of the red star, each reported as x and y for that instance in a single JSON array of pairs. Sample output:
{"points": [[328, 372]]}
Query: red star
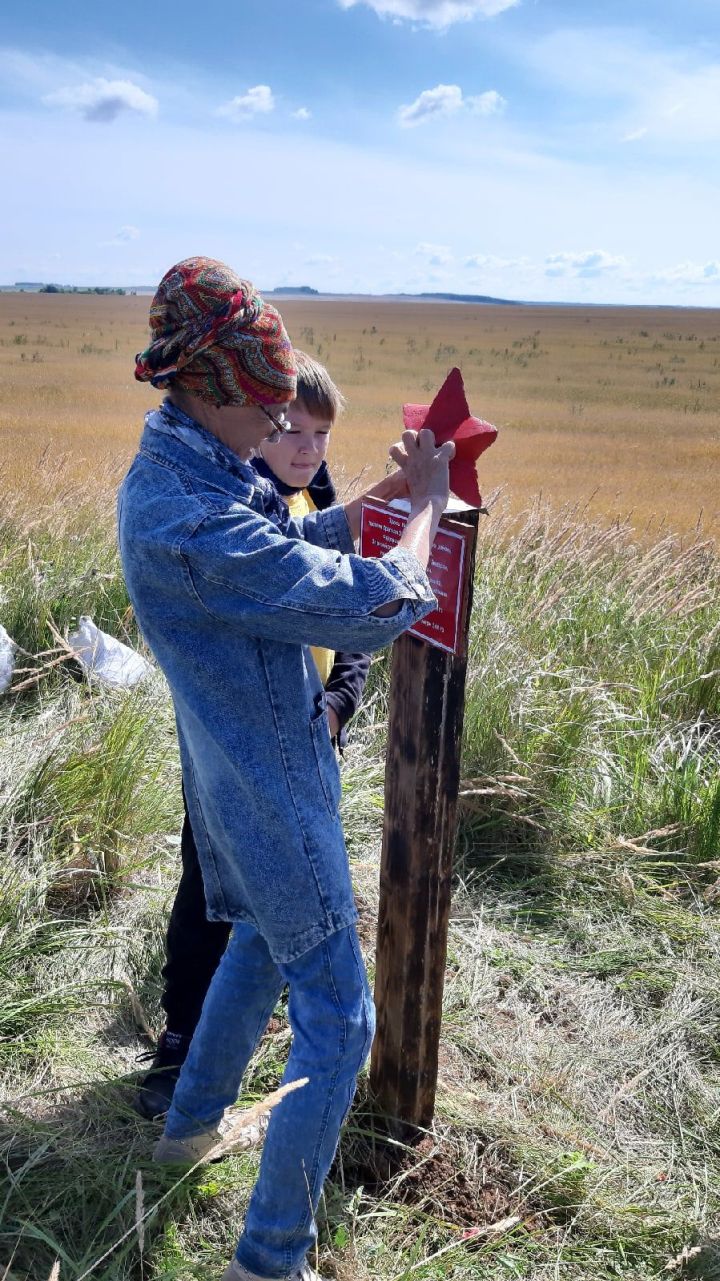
{"points": [[449, 418]]}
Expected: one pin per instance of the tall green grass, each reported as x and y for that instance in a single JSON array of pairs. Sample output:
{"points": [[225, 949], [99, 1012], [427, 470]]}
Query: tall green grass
{"points": [[594, 686], [579, 1098]]}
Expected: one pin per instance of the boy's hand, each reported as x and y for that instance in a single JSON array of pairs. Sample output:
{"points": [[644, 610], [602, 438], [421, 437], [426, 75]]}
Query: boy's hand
{"points": [[392, 486], [333, 722], [424, 466]]}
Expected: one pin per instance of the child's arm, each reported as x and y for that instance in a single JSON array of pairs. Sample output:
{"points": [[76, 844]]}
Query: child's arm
{"points": [[345, 684]]}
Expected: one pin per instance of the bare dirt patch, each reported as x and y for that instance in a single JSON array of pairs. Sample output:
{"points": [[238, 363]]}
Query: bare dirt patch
{"points": [[429, 1176]]}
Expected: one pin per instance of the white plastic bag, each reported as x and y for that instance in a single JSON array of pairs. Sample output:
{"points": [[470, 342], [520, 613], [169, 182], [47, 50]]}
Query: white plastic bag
{"points": [[7, 658], [106, 658]]}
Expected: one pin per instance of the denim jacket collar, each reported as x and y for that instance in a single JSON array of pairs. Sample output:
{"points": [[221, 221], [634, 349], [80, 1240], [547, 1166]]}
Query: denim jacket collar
{"points": [[172, 423], [170, 420]]}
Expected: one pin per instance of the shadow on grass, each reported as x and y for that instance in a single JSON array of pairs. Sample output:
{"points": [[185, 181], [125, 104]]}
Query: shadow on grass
{"points": [[68, 1184], [508, 854], [704, 1266]]}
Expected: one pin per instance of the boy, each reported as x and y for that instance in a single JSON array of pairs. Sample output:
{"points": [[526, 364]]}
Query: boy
{"points": [[296, 466]]}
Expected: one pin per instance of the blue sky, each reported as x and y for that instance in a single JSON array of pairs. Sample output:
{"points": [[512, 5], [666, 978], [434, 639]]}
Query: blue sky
{"points": [[536, 149]]}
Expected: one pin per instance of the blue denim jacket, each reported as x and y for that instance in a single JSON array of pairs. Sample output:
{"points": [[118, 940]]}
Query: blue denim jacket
{"points": [[229, 592]]}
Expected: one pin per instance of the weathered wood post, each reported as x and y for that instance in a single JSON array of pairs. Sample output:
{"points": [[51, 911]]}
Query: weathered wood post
{"points": [[427, 702], [422, 774]]}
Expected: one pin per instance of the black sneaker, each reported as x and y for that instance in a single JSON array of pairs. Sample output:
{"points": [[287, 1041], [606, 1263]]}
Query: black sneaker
{"points": [[157, 1087]]}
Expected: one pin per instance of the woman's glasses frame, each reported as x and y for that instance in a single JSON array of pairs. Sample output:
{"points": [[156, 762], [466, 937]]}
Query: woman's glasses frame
{"points": [[281, 426]]}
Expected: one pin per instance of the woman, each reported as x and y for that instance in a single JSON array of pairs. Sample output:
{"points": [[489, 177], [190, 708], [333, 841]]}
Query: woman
{"points": [[229, 592]]}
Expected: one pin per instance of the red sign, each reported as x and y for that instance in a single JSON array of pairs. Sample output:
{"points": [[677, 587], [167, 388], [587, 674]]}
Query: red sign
{"points": [[380, 530]]}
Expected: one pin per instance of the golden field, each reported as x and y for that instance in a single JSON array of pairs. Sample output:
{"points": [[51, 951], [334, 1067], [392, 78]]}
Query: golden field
{"points": [[615, 407]]}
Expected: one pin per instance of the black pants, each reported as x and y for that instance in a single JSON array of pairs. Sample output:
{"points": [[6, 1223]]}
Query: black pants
{"points": [[194, 944]]}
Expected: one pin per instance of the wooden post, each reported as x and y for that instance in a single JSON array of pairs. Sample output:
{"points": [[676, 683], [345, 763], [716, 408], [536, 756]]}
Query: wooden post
{"points": [[427, 703]]}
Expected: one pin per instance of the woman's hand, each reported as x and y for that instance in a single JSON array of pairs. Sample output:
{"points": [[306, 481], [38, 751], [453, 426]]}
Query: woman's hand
{"points": [[423, 476], [424, 467]]}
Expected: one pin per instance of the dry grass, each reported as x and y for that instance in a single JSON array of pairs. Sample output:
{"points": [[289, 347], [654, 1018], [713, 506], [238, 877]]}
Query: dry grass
{"points": [[577, 1127], [614, 406]]}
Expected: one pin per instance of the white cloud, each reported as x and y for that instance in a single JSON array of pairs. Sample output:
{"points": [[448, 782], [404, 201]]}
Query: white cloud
{"points": [[635, 135], [443, 100], [24, 72], [447, 100], [302, 113], [687, 107], [101, 100], [689, 274], [437, 255], [490, 103], [256, 102], [491, 262], [584, 265], [663, 95], [124, 236], [435, 13]]}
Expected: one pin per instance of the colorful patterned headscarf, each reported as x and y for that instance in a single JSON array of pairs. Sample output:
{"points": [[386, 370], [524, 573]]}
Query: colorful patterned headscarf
{"points": [[214, 336]]}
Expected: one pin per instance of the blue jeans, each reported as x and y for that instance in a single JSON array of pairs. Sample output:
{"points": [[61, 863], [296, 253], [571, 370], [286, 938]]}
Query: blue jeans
{"points": [[332, 1020]]}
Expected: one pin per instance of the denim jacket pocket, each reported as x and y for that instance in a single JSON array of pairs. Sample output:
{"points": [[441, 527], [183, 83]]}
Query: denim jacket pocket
{"points": [[326, 759]]}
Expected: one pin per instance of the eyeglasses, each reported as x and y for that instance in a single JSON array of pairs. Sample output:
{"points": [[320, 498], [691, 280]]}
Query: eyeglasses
{"points": [[281, 425]]}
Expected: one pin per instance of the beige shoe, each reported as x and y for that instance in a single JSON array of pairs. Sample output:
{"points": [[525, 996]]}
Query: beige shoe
{"points": [[185, 1151], [229, 1131], [236, 1272]]}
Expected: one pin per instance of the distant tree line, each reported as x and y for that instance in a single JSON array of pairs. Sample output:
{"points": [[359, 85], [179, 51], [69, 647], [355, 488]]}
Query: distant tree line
{"points": [[76, 289]]}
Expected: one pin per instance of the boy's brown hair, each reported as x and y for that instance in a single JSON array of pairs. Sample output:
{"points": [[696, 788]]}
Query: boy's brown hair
{"points": [[316, 389]]}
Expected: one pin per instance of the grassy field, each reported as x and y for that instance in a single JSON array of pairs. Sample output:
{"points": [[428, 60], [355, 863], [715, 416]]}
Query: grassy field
{"points": [[578, 1122], [577, 1135], [612, 407]]}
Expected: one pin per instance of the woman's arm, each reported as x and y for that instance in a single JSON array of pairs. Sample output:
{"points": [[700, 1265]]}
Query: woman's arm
{"points": [[424, 475], [244, 572], [249, 575]]}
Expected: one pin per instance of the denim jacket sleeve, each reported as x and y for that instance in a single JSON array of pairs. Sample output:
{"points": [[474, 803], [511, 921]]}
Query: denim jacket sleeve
{"points": [[305, 588]]}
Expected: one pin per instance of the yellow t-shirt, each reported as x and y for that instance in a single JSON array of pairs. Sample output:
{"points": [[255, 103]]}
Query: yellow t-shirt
{"points": [[299, 505]]}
